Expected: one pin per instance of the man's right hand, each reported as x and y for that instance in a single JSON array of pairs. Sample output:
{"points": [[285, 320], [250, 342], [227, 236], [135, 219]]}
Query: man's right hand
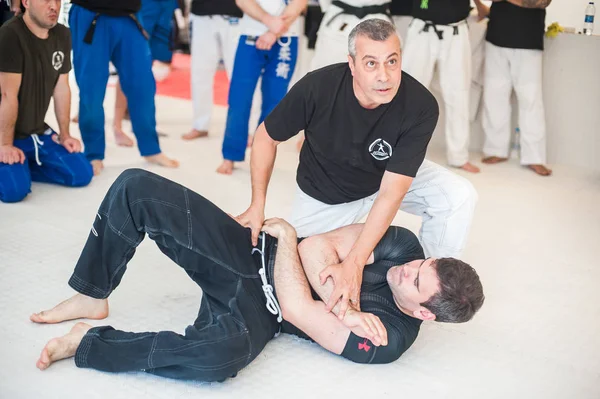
{"points": [[254, 217], [366, 325], [10, 154]]}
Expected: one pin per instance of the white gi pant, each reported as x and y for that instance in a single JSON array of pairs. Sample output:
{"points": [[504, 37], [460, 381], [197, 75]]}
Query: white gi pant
{"points": [[506, 68], [444, 200], [453, 56], [402, 23], [214, 37], [332, 40]]}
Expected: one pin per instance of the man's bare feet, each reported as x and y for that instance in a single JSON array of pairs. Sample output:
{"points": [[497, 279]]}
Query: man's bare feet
{"points": [[493, 160], [226, 168], [78, 306], [162, 160], [250, 141], [194, 134], [469, 167], [63, 347], [122, 139], [97, 166], [540, 170]]}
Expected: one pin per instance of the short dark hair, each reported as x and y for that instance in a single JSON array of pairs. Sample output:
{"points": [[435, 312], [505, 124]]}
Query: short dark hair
{"points": [[460, 295], [375, 29]]}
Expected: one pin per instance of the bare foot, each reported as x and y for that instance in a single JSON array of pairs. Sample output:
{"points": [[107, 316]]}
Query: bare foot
{"points": [[194, 134], [63, 347], [97, 166], [122, 139], [469, 167], [493, 160], [78, 306], [226, 168], [540, 170], [162, 160], [250, 141]]}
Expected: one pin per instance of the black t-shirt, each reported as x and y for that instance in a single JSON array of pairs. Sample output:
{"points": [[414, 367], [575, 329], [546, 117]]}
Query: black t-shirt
{"points": [[397, 247], [216, 7], [401, 7], [442, 12], [111, 7], [512, 26], [348, 148], [40, 63]]}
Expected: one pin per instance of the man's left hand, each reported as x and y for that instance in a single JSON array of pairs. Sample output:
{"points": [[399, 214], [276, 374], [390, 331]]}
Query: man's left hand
{"points": [[347, 278], [71, 144]]}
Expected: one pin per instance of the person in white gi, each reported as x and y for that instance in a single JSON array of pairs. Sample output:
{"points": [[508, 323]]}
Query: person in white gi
{"points": [[439, 35], [513, 59]]}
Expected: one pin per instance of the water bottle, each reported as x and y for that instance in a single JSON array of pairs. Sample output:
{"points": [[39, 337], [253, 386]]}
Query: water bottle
{"points": [[516, 144], [588, 26]]}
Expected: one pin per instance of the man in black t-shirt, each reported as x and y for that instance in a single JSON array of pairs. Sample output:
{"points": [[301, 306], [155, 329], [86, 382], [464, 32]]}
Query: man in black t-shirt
{"points": [[249, 294], [439, 35], [34, 67], [215, 34], [513, 59], [367, 126]]}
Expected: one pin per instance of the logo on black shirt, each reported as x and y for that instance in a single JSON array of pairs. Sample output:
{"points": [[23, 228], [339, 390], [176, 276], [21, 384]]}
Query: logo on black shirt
{"points": [[380, 149], [57, 59]]}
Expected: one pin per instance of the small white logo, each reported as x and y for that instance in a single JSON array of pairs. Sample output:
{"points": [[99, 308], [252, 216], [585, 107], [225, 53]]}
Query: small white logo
{"points": [[94, 232], [380, 149], [57, 59]]}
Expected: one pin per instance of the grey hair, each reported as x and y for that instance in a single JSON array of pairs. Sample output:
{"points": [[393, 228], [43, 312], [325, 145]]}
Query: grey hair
{"points": [[375, 29]]}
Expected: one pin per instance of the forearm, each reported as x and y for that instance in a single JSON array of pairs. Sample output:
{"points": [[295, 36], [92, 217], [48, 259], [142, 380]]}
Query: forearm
{"points": [[295, 8], [9, 109], [62, 109], [531, 3], [262, 159], [254, 10]]}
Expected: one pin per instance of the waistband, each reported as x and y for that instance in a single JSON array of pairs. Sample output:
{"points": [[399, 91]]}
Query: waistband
{"points": [[360, 12]]}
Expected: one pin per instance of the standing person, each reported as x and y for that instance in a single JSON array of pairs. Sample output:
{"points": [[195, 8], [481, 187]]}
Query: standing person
{"points": [[513, 59], [367, 126], [402, 14], [111, 31], [156, 17], [267, 49], [34, 67], [215, 35], [9, 9], [439, 34]]}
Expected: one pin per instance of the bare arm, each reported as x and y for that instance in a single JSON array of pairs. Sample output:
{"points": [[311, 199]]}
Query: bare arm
{"points": [[62, 104], [531, 3], [9, 106], [294, 9]]}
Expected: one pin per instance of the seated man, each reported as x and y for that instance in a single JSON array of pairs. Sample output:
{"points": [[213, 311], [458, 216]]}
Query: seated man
{"points": [[34, 67], [239, 312]]}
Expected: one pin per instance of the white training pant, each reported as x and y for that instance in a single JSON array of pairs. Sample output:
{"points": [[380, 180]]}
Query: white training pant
{"points": [[452, 54], [332, 41], [506, 68], [444, 200], [402, 23], [213, 38]]}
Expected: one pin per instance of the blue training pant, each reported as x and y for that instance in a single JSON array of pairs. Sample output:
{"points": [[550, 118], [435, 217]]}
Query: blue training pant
{"points": [[277, 67], [116, 39], [157, 20], [58, 166]]}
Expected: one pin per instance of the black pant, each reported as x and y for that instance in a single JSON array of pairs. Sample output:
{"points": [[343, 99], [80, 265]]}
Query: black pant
{"points": [[233, 324]]}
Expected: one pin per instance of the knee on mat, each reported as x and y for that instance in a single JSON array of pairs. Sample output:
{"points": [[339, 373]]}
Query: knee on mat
{"points": [[80, 171], [463, 193], [15, 182]]}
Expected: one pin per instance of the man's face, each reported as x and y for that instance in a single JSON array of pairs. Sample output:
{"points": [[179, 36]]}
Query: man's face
{"points": [[412, 284], [43, 12], [377, 70]]}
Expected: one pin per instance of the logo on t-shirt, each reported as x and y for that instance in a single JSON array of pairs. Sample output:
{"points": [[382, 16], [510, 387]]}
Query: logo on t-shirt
{"points": [[380, 150], [57, 59], [364, 346]]}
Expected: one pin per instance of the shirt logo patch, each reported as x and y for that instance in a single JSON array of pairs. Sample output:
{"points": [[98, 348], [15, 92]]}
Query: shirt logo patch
{"points": [[57, 59], [364, 346], [380, 150]]}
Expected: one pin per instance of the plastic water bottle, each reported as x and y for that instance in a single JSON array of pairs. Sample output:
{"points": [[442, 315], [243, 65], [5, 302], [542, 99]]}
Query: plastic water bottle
{"points": [[588, 26], [516, 144]]}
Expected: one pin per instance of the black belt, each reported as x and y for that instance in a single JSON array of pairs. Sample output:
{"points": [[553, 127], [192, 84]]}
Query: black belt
{"points": [[89, 35], [439, 33], [360, 12]]}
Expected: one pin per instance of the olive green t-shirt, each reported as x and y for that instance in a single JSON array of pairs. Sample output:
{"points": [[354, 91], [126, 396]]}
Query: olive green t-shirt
{"points": [[40, 63]]}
